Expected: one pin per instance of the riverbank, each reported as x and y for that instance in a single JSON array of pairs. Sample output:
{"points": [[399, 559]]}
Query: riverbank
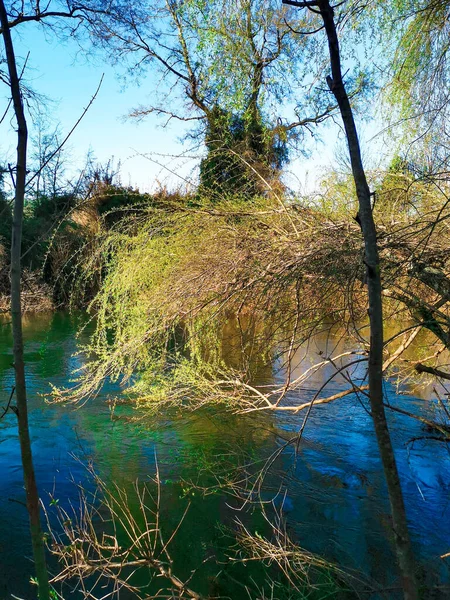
{"points": [[37, 296]]}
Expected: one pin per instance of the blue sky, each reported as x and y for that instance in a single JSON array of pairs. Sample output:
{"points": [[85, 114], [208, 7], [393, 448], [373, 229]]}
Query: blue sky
{"points": [[63, 74], [60, 72]]}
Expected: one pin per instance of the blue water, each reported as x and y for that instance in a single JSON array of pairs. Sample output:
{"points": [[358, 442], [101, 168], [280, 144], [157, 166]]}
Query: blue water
{"points": [[332, 491]]}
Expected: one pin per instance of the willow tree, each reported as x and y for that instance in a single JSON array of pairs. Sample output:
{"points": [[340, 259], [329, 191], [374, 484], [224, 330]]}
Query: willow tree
{"points": [[337, 87], [228, 68], [419, 59], [416, 94]]}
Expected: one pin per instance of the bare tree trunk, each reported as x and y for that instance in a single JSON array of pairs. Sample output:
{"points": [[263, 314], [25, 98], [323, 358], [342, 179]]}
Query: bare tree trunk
{"points": [[16, 314], [335, 82]]}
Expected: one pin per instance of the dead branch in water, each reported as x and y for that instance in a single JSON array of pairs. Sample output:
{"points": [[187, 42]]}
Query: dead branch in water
{"points": [[105, 541]]}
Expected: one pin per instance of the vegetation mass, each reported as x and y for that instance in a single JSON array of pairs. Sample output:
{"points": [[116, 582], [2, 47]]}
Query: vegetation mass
{"points": [[204, 297]]}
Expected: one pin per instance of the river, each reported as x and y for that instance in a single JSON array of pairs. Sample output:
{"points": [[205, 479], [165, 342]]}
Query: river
{"points": [[335, 497]]}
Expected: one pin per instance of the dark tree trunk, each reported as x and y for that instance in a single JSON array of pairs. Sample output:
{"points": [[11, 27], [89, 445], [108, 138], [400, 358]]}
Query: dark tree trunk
{"points": [[335, 82], [16, 314]]}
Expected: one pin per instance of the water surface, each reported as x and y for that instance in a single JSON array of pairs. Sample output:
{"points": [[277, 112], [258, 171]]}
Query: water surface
{"points": [[333, 489]]}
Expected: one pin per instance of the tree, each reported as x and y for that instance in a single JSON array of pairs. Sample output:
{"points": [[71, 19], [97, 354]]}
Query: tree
{"points": [[11, 17], [226, 66], [373, 274], [16, 315]]}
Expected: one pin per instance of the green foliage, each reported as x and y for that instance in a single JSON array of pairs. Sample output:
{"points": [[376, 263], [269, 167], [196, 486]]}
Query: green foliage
{"points": [[115, 201], [197, 299], [404, 193], [231, 37], [337, 197], [417, 33], [60, 231], [44, 215], [244, 155]]}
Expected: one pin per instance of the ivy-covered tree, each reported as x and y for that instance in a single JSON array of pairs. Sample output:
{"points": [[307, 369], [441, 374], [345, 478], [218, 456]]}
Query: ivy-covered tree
{"points": [[229, 67], [244, 155]]}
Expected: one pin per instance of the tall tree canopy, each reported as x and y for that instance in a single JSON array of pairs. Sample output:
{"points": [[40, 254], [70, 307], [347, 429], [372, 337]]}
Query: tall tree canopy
{"points": [[231, 67]]}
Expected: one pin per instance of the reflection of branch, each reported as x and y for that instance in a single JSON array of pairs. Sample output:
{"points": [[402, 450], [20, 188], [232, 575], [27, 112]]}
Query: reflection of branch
{"points": [[432, 424], [5, 410]]}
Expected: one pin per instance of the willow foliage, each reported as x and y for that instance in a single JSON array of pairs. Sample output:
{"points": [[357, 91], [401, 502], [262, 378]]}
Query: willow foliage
{"points": [[416, 34], [212, 293], [199, 300]]}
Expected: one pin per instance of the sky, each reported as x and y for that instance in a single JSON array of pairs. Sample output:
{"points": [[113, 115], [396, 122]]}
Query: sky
{"points": [[145, 149], [68, 81]]}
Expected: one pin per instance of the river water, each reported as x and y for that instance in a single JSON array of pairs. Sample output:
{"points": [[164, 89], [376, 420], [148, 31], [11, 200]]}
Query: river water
{"points": [[334, 493]]}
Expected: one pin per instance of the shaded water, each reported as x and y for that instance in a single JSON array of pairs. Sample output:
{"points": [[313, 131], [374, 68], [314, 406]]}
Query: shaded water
{"points": [[335, 501]]}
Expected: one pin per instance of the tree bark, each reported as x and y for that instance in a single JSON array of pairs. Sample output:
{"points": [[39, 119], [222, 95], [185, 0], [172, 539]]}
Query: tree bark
{"points": [[365, 218], [16, 315], [400, 525]]}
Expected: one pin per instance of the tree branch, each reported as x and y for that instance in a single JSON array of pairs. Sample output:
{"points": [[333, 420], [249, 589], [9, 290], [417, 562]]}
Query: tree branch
{"points": [[421, 368]]}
